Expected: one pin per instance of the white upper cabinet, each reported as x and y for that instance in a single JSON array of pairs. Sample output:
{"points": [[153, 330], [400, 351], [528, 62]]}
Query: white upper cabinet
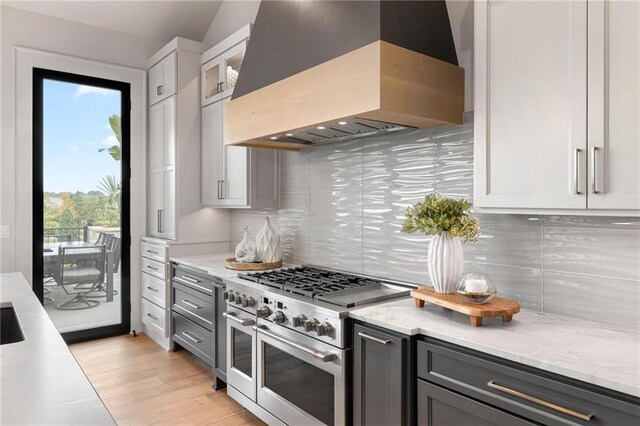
{"points": [[530, 104], [221, 65], [163, 78], [614, 105], [232, 176], [556, 106]]}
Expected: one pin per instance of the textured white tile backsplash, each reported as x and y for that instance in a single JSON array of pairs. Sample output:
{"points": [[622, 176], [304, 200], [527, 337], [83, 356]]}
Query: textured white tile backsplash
{"points": [[343, 203]]}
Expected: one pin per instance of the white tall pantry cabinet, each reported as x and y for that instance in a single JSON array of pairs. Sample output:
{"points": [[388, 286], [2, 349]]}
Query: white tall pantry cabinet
{"points": [[178, 224], [557, 104]]}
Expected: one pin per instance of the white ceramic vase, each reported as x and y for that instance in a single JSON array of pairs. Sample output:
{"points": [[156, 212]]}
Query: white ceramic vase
{"points": [[232, 77], [246, 249], [268, 243], [446, 262]]}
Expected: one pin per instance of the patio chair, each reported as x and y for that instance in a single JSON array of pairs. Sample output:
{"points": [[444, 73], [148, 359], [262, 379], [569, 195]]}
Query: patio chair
{"points": [[69, 273], [114, 247]]}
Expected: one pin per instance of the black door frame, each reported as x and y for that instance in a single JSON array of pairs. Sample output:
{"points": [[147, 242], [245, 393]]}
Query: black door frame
{"points": [[39, 75]]}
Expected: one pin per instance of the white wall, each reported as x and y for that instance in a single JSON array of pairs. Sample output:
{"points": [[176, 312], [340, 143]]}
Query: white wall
{"points": [[25, 29], [232, 15]]}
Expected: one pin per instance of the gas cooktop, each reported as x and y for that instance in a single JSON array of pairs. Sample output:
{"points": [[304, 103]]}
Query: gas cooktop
{"points": [[338, 288]]}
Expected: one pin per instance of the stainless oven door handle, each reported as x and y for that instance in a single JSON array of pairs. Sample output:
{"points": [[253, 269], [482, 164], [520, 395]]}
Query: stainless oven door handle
{"points": [[322, 356], [231, 316]]}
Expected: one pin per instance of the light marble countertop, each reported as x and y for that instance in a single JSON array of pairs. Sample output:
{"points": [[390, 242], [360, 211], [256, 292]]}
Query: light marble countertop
{"points": [[40, 380], [213, 264], [583, 350]]}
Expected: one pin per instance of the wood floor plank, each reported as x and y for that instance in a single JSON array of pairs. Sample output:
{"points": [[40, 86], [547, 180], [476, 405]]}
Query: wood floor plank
{"points": [[142, 384]]}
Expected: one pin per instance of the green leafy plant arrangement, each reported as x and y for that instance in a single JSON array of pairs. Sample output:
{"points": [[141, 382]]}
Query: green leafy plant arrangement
{"points": [[438, 214]]}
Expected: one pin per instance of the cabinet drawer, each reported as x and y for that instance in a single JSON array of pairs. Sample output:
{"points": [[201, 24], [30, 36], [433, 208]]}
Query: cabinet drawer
{"points": [[193, 278], [154, 289], [440, 407], [154, 252], [196, 306], [155, 317], [193, 338], [533, 394], [155, 268]]}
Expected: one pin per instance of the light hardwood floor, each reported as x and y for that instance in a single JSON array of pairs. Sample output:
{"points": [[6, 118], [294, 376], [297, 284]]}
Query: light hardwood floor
{"points": [[142, 384]]}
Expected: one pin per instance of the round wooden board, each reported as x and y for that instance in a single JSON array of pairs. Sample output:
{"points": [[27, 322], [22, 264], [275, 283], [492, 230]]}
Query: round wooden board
{"points": [[231, 263]]}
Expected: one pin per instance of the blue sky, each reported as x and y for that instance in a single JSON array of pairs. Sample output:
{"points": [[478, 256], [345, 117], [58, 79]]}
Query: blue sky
{"points": [[75, 126]]}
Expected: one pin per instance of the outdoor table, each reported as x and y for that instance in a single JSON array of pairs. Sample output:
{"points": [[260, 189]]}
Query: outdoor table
{"points": [[50, 251]]}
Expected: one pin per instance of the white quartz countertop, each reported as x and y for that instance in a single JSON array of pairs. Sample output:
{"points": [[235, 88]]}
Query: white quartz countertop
{"points": [[40, 380], [213, 264], [583, 350]]}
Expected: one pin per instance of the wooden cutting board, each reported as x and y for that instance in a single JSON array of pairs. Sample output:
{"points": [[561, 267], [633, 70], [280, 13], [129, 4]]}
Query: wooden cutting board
{"points": [[497, 307]]}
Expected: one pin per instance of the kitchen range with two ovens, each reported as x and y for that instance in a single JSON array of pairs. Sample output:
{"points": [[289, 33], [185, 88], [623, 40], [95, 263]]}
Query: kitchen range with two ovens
{"points": [[289, 341]]}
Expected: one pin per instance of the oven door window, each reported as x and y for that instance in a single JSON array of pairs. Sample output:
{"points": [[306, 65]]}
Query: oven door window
{"points": [[242, 345], [303, 385]]}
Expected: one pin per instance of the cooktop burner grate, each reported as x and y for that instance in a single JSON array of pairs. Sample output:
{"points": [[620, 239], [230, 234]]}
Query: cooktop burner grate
{"points": [[314, 282]]}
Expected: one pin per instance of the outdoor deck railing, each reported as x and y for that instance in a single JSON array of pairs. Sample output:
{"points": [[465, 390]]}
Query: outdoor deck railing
{"points": [[74, 233]]}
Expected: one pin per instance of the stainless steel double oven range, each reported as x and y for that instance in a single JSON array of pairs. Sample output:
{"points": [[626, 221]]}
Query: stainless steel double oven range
{"points": [[289, 341]]}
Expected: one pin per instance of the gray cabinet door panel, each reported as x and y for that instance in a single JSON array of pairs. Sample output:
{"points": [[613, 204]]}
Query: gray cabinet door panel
{"points": [[477, 376], [192, 337], [196, 306], [440, 407], [379, 378], [220, 334]]}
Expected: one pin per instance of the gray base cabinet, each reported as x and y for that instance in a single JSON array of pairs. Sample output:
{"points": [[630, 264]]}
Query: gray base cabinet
{"points": [[380, 377], [462, 383], [197, 324], [440, 407]]}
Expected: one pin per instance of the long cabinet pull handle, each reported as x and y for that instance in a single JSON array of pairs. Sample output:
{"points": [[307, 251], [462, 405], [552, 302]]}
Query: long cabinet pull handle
{"points": [[375, 339], [594, 165], [231, 316], [586, 417], [152, 268], [190, 279], [576, 171], [322, 356], [191, 337], [159, 220], [190, 303], [155, 290], [219, 190], [152, 252], [222, 189], [152, 316]]}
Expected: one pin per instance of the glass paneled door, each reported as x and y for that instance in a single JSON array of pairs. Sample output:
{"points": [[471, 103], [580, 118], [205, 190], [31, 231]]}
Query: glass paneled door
{"points": [[81, 202]]}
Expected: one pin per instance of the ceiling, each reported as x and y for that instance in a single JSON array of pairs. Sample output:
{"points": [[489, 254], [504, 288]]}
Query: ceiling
{"points": [[162, 20]]}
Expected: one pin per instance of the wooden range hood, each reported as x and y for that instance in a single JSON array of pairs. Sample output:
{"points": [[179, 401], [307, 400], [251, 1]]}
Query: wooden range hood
{"points": [[319, 71]]}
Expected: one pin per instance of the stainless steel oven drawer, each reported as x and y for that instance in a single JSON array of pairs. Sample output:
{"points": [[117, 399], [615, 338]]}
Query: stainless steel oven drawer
{"points": [[196, 306], [192, 337], [532, 394]]}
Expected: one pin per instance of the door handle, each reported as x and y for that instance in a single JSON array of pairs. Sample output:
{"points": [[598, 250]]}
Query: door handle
{"points": [[322, 356], [222, 189], [159, 90], [576, 172], [586, 417], [152, 316], [375, 339], [190, 279], [243, 322], [594, 165], [155, 290]]}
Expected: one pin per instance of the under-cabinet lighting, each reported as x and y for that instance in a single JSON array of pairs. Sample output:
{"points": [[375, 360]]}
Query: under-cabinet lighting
{"points": [[342, 123], [273, 138], [320, 127], [289, 134]]}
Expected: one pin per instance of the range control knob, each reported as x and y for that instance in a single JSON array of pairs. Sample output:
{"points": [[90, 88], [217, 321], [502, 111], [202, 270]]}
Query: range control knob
{"points": [[278, 317], [225, 295], [298, 321], [263, 312], [249, 301], [244, 301], [231, 297], [238, 298], [310, 324], [324, 329]]}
